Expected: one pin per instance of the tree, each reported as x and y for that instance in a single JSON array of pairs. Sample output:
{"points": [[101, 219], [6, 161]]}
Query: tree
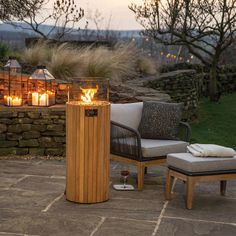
{"points": [[205, 27], [98, 20], [65, 15], [228, 57]]}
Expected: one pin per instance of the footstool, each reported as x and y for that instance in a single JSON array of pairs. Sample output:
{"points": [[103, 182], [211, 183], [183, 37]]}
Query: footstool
{"points": [[191, 169]]}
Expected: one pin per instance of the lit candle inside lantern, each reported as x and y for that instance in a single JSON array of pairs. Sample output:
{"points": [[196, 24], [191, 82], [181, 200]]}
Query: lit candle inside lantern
{"points": [[43, 99], [12, 101], [35, 99], [40, 99]]}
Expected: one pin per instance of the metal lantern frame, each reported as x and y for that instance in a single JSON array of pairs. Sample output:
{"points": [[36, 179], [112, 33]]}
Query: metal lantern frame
{"points": [[41, 91], [13, 83]]}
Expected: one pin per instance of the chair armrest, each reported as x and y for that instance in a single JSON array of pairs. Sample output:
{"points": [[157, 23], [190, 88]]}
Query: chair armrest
{"points": [[125, 141], [185, 127]]}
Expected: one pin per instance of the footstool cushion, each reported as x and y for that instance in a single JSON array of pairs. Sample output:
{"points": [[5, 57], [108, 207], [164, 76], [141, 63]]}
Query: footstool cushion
{"points": [[189, 163]]}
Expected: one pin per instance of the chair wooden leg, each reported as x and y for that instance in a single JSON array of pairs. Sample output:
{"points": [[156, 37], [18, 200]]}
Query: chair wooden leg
{"points": [[169, 184], [223, 184], [190, 190], [140, 170]]}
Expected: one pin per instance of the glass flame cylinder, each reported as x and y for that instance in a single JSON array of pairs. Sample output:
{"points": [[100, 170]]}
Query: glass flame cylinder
{"points": [[13, 83], [89, 91], [41, 88]]}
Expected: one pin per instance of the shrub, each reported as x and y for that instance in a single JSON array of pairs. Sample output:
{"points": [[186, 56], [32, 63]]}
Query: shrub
{"points": [[5, 51], [147, 66], [94, 62], [39, 53], [117, 64], [64, 62], [124, 61]]}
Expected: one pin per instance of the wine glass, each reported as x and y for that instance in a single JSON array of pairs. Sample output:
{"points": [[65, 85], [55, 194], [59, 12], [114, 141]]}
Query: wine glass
{"points": [[124, 173]]}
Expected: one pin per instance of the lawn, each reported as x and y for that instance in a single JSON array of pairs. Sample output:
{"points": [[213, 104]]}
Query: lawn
{"points": [[216, 123]]}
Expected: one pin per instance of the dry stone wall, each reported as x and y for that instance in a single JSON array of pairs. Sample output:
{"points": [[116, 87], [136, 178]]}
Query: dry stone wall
{"points": [[183, 87], [226, 75], [34, 131], [226, 82]]}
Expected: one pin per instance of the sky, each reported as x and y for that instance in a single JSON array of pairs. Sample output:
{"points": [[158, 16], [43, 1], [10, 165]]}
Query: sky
{"points": [[121, 17]]}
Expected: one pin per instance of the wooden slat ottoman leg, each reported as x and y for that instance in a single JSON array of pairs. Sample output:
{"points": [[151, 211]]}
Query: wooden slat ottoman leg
{"points": [[190, 190], [169, 183]]}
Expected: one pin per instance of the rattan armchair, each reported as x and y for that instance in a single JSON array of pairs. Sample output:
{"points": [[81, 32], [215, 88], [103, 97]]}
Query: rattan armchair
{"points": [[127, 146]]}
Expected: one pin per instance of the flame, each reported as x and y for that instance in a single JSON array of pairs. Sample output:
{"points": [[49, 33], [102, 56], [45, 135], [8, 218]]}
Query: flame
{"points": [[88, 94], [12, 100]]}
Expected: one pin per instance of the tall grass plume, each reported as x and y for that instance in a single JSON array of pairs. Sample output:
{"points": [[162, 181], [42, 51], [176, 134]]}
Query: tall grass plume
{"points": [[65, 61], [39, 53]]}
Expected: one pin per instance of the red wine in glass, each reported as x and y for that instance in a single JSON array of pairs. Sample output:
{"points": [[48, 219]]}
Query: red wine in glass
{"points": [[124, 174]]}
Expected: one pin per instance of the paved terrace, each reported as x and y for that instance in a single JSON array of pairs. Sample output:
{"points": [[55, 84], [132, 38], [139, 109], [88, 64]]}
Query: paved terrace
{"points": [[32, 203]]}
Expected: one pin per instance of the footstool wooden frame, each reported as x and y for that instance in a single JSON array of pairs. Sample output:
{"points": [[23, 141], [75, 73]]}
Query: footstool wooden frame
{"points": [[191, 170], [192, 178]]}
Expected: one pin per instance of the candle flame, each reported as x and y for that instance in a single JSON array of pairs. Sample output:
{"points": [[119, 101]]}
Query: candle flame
{"points": [[12, 100], [88, 94]]}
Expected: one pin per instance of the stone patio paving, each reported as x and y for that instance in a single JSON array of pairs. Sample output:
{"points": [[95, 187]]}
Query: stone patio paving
{"points": [[32, 203]]}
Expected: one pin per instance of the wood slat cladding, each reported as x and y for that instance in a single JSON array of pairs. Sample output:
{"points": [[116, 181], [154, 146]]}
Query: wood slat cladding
{"points": [[87, 152]]}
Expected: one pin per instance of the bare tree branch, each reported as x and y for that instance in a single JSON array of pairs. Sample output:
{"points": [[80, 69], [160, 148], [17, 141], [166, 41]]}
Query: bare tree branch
{"points": [[64, 15]]}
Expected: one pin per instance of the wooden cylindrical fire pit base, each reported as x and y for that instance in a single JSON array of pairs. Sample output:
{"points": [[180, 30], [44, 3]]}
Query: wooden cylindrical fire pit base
{"points": [[87, 155]]}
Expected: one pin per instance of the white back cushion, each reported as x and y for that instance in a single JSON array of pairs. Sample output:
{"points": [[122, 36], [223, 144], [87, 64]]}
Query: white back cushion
{"points": [[128, 114]]}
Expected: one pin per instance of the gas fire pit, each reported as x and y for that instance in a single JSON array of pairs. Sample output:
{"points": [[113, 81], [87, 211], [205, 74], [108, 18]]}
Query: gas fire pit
{"points": [[88, 141]]}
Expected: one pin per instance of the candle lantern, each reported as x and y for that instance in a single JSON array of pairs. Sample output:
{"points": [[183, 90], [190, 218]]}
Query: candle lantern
{"points": [[88, 140], [41, 88], [12, 83]]}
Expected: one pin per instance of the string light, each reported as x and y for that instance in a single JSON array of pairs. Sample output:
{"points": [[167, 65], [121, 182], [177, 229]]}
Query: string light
{"points": [[170, 56]]}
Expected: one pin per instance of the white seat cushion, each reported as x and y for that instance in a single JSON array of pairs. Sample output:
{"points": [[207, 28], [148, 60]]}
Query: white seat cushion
{"points": [[153, 147], [128, 114], [156, 148], [188, 162]]}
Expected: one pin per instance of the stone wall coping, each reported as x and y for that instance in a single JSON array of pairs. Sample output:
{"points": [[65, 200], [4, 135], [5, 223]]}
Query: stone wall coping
{"points": [[173, 74], [33, 108]]}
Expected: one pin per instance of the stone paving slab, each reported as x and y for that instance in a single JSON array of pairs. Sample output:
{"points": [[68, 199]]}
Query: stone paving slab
{"points": [[179, 227], [32, 202], [148, 194], [117, 227], [38, 223], [115, 207], [8, 180], [43, 183], [209, 208], [45, 168], [25, 200], [15, 220]]}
